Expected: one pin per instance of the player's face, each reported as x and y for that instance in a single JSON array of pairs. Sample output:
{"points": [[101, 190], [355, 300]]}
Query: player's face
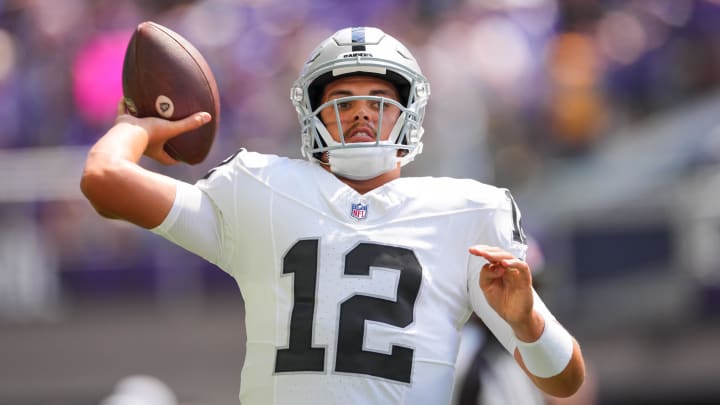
{"points": [[360, 119]]}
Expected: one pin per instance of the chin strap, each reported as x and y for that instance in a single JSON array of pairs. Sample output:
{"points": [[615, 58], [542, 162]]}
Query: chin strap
{"points": [[362, 163]]}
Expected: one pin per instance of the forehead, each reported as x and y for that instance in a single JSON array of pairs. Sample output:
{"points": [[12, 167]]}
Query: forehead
{"points": [[361, 85]]}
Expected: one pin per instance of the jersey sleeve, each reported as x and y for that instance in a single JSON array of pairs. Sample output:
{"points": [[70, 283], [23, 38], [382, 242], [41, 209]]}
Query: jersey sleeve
{"points": [[501, 228], [504, 226], [193, 223], [197, 220], [231, 217]]}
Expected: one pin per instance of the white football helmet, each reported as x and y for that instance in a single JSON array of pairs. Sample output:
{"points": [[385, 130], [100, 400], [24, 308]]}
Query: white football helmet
{"points": [[363, 51]]}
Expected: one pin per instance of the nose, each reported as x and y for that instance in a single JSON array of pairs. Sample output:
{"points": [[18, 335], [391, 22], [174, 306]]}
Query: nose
{"points": [[362, 111]]}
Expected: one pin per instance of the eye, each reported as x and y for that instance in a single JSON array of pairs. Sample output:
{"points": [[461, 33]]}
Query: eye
{"points": [[375, 105], [344, 105]]}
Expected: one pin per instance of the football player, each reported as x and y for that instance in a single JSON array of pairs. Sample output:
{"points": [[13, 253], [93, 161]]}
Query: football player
{"points": [[356, 281]]}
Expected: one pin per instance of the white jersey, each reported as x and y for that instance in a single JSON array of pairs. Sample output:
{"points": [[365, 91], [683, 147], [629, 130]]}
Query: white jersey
{"points": [[350, 298]]}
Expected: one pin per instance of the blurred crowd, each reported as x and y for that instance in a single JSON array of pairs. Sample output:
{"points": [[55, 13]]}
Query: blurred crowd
{"points": [[518, 80]]}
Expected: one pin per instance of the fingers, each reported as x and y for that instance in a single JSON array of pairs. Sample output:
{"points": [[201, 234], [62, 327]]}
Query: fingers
{"points": [[191, 122], [492, 271], [514, 263], [490, 275], [164, 158], [516, 276], [161, 130], [499, 261], [496, 270], [122, 111], [490, 253], [121, 108], [178, 127]]}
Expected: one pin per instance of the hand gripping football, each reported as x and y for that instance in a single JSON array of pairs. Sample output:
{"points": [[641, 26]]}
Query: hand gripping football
{"points": [[165, 76]]}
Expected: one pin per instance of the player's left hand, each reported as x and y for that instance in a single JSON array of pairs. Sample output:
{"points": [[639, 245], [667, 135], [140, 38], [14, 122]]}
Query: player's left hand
{"points": [[507, 284]]}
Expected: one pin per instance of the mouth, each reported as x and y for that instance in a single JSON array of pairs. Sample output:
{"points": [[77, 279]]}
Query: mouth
{"points": [[360, 134]]}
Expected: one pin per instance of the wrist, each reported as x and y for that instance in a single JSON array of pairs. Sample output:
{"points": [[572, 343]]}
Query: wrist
{"points": [[530, 330], [131, 129], [550, 353], [127, 140]]}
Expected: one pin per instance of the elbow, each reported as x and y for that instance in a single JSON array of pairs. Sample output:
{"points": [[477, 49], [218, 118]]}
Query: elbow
{"points": [[94, 179], [95, 183], [571, 380], [577, 371], [90, 189], [570, 388]]}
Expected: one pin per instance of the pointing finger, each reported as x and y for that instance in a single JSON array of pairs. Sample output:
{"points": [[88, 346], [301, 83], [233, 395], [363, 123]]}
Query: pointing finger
{"points": [[490, 253], [514, 263], [192, 122]]}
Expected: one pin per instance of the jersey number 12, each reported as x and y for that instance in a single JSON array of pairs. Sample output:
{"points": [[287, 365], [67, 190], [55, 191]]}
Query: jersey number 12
{"points": [[301, 260]]}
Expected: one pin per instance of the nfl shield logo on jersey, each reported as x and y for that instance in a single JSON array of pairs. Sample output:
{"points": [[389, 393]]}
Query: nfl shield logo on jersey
{"points": [[359, 210]]}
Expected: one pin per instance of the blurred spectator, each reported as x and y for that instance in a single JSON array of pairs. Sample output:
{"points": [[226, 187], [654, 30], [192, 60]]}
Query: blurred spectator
{"points": [[547, 73], [29, 282]]}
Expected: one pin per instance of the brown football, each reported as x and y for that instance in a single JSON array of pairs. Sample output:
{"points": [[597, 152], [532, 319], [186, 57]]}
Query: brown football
{"points": [[165, 76]]}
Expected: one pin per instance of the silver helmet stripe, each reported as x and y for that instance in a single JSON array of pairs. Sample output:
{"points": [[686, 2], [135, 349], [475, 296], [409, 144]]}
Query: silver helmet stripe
{"points": [[358, 37]]}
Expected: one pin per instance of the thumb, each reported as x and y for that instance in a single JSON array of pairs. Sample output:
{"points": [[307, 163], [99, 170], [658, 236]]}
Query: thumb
{"points": [[194, 121], [490, 273], [191, 122]]}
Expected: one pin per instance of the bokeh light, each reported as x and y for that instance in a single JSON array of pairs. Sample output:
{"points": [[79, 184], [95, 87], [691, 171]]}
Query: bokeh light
{"points": [[8, 57], [97, 81], [499, 52], [622, 37]]}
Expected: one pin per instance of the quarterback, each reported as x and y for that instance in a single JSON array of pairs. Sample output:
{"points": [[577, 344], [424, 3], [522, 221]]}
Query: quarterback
{"points": [[356, 280]]}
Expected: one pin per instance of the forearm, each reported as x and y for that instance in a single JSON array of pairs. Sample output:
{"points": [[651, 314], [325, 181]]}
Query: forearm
{"points": [[531, 329], [564, 384], [554, 361], [117, 186], [124, 141]]}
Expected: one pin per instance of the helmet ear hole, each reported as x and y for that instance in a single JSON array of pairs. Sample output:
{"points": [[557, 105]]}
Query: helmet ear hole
{"points": [[316, 89]]}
